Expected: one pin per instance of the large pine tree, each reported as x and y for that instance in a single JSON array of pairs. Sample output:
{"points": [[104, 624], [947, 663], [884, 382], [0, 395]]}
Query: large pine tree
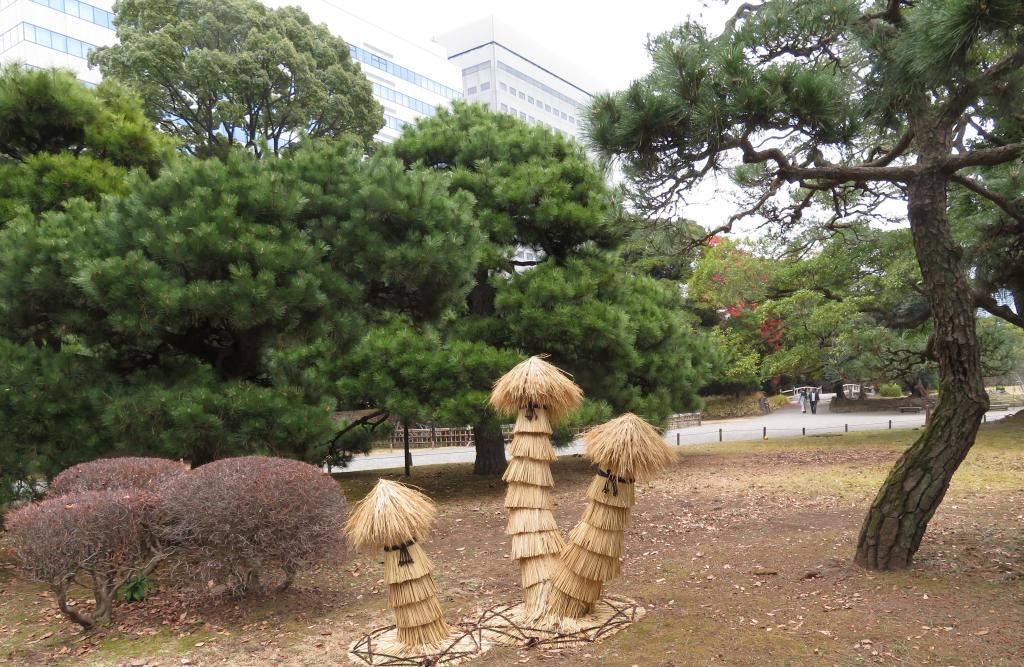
{"points": [[833, 107]]}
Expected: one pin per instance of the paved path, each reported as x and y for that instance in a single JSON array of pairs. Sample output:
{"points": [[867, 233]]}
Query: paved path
{"points": [[784, 423]]}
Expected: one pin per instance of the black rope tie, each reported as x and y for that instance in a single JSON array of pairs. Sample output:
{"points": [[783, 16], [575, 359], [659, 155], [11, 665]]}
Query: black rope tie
{"points": [[404, 557], [531, 411], [612, 482]]}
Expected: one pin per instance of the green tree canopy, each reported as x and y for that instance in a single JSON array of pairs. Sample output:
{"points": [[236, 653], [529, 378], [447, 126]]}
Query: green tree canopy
{"points": [[214, 301], [624, 336], [60, 140], [219, 72]]}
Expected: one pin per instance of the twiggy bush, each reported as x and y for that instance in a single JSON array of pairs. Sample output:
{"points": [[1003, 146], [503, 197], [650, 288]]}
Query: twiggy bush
{"points": [[130, 472], [99, 539], [238, 522]]}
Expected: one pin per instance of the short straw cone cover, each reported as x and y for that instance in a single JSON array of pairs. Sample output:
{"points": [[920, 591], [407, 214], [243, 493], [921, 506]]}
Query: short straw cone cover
{"points": [[629, 447], [391, 514], [536, 382]]}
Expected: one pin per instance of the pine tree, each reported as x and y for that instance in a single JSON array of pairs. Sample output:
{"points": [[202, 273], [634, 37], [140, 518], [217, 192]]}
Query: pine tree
{"points": [[833, 107]]}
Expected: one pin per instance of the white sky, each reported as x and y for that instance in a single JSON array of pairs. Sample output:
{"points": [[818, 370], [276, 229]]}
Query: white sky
{"points": [[606, 40]]}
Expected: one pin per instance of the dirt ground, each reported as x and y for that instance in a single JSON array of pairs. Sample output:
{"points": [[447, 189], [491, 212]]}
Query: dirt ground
{"points": [[741, 554]]}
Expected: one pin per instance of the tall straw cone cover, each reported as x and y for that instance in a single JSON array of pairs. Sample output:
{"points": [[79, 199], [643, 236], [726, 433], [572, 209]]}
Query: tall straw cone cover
{"points": [[629, 447], [536, 382], [390, 514]]}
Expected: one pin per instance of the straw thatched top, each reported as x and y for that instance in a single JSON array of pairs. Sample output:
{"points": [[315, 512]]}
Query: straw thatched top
{"points": [[628, 447], [536, 382], [390, 514]]}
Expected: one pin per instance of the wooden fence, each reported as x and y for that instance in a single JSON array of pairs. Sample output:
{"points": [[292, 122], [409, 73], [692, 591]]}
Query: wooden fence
{"points": [[436, 436], [683, 420]]}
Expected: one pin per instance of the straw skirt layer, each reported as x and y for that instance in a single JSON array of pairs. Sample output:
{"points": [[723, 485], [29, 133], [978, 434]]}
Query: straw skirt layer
{"points": [[530, 545], [536, 446], [607, 517], [529, 471], [529, 520], [623, 495], [539, 424], [409, 592], [395, 573], [529, 496]]}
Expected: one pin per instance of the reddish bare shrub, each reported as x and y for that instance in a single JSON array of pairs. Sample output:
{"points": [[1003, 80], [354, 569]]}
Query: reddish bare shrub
{"points": [[97, 538], [130, 472], [237, 520]]}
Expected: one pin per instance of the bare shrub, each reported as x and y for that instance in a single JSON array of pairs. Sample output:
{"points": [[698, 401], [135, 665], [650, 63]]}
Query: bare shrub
{"points": [[98, 539], [129, 472], [238, 520]]}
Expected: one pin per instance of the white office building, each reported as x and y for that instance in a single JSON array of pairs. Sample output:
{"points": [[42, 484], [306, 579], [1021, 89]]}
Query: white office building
{"points": [[55, 33], [410, 79], [511, 73]]}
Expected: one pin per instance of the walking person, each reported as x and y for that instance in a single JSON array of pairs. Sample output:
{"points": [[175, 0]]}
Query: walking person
{"points": [[803, 400], [813, 396]]}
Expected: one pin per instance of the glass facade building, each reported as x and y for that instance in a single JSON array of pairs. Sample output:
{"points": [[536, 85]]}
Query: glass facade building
{"points": [[55, 33]]}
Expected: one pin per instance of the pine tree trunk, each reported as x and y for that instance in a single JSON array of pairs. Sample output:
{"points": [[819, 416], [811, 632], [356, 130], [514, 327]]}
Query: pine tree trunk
{"points": [[899, 516], [490, 448]]}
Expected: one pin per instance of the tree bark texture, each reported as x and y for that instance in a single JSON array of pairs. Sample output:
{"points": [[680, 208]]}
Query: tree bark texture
{"points": [[899, 515], [490, 448]]}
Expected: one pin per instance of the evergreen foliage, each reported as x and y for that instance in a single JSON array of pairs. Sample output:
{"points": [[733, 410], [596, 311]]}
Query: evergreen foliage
{"points": [[219, 72]]}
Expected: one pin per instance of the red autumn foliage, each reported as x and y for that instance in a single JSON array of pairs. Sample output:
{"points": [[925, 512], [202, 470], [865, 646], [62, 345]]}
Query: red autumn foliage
{"points": [[129, 472]]}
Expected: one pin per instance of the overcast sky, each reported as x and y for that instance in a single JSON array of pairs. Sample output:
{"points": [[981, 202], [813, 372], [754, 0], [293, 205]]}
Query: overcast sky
{"points": [[605, 40]]}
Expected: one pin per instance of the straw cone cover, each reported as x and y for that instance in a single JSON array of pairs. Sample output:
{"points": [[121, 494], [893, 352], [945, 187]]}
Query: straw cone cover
{"points": [[390, 514], [536, 382], [629, 447]]}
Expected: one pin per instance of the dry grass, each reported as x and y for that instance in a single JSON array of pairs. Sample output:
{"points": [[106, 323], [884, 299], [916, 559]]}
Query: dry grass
{"points": [[629, 447], [740, 553], [538, 383], [390, 514]]}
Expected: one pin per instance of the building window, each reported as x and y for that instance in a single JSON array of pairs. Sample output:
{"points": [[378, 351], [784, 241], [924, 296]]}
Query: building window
{"points": [[513, 111], [522, 95], [393, 95], [486, 85], [364, 56], [471, 90], [504, 107], [82, 10], [572, 120], [49, 39], [532, 120], [522, 115], [539, 85], [565, 116], [547, 107], [503, 86], [511, 90], [530, 100]]}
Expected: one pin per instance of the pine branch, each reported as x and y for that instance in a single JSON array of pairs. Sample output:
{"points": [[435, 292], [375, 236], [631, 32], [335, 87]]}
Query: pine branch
{"points": [[1008, 207], [984, 157], [987, 302]]}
